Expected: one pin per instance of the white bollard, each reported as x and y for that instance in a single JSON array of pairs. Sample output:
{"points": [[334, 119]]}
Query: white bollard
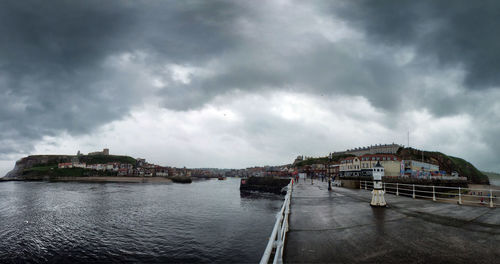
{"points": [[433, 193], [459, 196], [491, 199], [397, 189], [413, 191]]}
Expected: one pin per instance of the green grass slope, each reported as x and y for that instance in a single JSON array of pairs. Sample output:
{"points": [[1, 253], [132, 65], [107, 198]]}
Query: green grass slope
{"points": [[96, 159]]}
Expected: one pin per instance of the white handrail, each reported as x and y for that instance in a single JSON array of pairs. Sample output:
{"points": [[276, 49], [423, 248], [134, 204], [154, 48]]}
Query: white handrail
{"points": [[486, 197], [280, 229]]}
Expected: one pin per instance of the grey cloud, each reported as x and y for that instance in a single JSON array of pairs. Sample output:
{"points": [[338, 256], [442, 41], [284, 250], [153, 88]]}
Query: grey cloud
{"points": [[53, 75], [456, 33], [327, 68]]}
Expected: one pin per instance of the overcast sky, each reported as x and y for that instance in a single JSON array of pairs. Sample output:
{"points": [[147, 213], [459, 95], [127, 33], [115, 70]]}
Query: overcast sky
{"points": [[242, 83]]}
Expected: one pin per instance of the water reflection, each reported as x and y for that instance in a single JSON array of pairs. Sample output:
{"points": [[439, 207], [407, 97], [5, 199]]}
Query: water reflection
{"points": [[379, 218], [78, 222]]}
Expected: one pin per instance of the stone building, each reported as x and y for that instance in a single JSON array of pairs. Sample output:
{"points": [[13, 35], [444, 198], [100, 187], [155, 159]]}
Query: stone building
{"points": [[375, 149], [363, 165], [103, 152]]}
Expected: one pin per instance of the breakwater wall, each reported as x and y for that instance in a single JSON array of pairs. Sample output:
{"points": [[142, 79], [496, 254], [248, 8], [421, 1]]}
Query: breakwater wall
{"points": [[264, 184]]}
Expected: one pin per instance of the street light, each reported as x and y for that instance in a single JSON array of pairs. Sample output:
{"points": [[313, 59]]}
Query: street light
{"points": [[329, 172]]}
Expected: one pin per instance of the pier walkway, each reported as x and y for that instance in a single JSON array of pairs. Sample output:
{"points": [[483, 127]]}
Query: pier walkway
{"points": [[341, 227]]}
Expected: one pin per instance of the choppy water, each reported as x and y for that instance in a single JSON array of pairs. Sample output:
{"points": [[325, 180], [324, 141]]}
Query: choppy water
{"points": [[206, 221]]}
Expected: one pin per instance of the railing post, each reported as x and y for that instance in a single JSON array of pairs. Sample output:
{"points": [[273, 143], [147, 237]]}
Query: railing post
{"points": [[360, 184], [280, 226], [365, 185], [413, 191], [433, 193], [279, 231], [384, 187], [491, 199], [397, 189], [459, 196]]}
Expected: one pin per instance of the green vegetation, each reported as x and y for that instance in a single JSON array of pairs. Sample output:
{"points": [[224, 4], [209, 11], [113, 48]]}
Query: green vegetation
{"points": [[54, 172], [102, 159], [446, 163], [42, 168], [322, 160]]}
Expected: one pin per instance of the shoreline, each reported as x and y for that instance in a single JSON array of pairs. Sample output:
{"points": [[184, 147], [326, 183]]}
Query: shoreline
{"points": [[104, 179]]}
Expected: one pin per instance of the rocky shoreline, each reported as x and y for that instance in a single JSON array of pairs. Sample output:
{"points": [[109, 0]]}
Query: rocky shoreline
{"points": [[110, 179]]}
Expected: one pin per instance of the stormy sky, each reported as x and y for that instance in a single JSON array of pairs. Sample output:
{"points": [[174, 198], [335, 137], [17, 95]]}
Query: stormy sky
{"points": [[244, 83]]}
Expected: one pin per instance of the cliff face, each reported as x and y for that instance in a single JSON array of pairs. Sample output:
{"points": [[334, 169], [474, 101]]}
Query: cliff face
{"points": [[34, 161], [39, 167]]}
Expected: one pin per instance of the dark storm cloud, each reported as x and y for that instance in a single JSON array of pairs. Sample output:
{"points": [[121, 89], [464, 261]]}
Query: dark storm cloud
{"points": [[53, 75], [456, 33], [326, 68], [72, 66]]}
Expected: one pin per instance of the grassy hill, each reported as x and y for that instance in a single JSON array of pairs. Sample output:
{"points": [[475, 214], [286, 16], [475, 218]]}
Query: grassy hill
{"points": [[42, 172], [40, 166], [322, 160], [446, 163], [96, 159]]}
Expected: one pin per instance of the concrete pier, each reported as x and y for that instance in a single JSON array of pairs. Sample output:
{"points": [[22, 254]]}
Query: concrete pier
{"points": [[341, 227]]}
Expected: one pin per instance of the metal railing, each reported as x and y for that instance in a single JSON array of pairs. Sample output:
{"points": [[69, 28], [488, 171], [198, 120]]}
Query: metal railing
{"points": [[460, 195], [277, 239]]}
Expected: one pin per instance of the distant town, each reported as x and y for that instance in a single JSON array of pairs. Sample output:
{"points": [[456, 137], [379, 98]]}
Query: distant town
{"points": [[138, 168], [356, 162], [399, 163]]}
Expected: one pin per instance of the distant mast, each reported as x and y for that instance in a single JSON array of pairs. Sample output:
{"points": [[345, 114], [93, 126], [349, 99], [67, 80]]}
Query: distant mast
{"points": [[408, 138]]}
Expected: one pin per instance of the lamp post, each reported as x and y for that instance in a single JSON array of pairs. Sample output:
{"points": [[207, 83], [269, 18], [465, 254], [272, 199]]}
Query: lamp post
{"points": [[312, 176], [329, 174]]}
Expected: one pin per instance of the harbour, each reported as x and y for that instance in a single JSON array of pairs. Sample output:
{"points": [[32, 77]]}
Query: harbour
{"points": [[205, 221]]}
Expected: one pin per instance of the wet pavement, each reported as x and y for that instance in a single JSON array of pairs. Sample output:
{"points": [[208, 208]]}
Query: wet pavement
{"points": [[341, 227]]}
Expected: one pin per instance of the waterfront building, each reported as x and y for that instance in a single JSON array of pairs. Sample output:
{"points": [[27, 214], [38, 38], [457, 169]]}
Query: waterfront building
{"points": [[141, 162], [374, 149], [350, 166], [123, 172], [65, 165], [420, 166], [79, 165], [390, 162], [363, 165], [333, 170], [419, 169]]}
